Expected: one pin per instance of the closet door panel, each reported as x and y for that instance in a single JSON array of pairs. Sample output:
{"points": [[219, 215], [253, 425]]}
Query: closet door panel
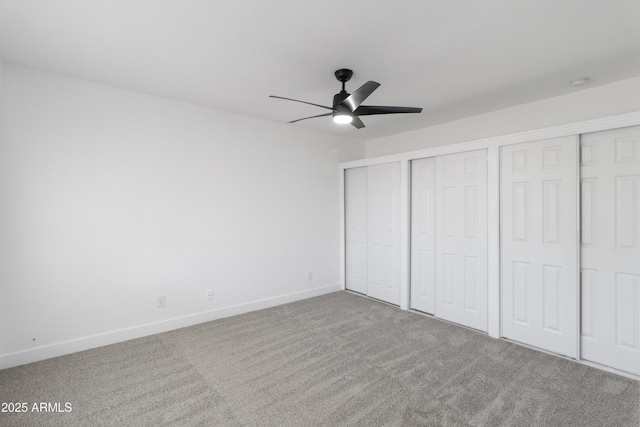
{"points": [[423, 238], [356, 228], [539, 244], [461, 238], [610, 248], [384, 232]]}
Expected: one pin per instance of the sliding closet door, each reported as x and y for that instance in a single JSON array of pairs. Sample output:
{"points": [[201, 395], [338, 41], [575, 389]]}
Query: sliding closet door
{"points": [[423, 235], [539, 205], [610, 184], [384, 232], [356, 223], [461, 224]]}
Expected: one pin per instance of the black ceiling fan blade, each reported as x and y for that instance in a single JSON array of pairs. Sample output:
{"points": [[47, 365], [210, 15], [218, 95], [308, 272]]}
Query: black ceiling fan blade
{"points": [[304, 102], [312, 117], [369, 110], [354, 100], [357, 123]]}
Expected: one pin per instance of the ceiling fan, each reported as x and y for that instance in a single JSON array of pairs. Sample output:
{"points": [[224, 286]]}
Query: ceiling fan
{"points": [[347, 107]]}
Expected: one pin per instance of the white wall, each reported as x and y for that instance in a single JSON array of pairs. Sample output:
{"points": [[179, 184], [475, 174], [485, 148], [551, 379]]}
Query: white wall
{"points": [[585, 104], [110, 198], [1, 70]]}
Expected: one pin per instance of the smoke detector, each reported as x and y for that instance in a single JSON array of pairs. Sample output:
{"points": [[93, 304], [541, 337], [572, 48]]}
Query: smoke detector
{"points": [[579, 82]]}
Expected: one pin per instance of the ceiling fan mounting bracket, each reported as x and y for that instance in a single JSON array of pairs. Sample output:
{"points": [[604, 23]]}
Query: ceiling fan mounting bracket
{"points": [[343, 75]]}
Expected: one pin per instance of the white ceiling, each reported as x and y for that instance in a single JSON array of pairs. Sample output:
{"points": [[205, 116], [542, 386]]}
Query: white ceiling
{"points": [[454, 58]]}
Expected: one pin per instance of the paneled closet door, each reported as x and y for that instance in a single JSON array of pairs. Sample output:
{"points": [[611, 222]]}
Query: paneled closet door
{"points": [[610, 186], [423, 235], [355, 183], [461, 238], [384, 232], [539, 210]]}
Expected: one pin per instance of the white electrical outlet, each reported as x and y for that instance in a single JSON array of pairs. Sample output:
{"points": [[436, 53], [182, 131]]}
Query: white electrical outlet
{"points": [[310, 275], [210, 294], [161, 301]]}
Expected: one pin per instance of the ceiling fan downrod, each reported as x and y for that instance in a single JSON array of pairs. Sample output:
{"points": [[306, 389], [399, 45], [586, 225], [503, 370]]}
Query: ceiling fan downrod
{"points": [[343, 75]]}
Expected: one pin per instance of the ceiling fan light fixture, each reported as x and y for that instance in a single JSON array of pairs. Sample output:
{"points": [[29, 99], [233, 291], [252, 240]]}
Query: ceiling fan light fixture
{"points": [[342, 118]]}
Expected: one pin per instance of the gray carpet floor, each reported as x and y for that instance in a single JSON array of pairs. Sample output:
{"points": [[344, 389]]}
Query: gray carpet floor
{"points": [[339, 359]]}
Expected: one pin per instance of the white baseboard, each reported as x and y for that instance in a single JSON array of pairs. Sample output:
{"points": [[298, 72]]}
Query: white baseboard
{"points": [[60, 349]]}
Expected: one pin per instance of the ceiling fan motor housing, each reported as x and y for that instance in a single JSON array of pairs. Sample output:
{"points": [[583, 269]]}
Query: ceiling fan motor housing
{"points": [[337, 101]]}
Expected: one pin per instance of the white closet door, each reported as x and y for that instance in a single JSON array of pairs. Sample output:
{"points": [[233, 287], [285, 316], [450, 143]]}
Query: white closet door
{"points": [[610, 184], [423, 237], [539, 205], [461, 246], [384, 232], [355, 183]]}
